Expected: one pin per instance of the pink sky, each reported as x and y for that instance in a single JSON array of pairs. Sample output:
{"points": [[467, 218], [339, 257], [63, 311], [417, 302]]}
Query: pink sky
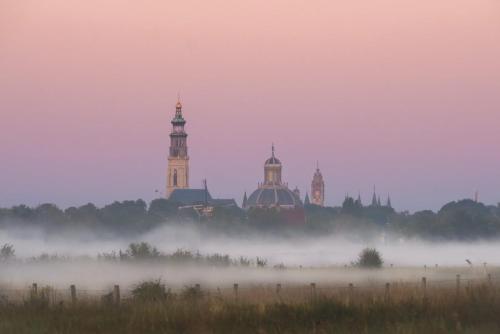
{"points": [[404, 94]]}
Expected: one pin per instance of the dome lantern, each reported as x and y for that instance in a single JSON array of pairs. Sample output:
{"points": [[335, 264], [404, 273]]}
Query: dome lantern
{"points": [[272, 170]]}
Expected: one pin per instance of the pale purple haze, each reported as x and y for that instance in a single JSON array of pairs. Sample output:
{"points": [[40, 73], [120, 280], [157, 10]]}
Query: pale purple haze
{"points": [[404, 94]]}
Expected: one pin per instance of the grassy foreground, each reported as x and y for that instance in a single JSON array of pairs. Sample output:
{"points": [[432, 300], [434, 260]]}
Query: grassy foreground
{"points": [[407, 309]]}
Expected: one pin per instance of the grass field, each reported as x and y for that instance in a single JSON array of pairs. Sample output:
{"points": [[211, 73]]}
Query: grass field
{"points": [[431, 306]]}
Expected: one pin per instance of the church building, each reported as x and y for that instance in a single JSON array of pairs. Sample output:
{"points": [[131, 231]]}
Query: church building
{"points": [[178, 190], [273, 193]]}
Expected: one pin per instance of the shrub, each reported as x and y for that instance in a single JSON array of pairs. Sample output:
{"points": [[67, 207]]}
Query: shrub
{"points": [[261, 262], [369, 258], [150, 291], [192, 293], [7, 252], [142, 251]]}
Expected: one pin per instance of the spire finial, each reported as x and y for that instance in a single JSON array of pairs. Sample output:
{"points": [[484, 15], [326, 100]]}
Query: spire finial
{"points": [[272, 149], [317, 164], [178, 105]]}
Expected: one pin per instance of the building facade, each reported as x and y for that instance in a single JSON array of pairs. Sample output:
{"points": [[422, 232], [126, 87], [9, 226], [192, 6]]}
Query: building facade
{"points": [[178, 159], [318, 188]]}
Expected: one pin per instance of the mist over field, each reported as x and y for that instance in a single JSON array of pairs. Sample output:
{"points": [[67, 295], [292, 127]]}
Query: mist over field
{"points": [[327, 250], [307, 259]]}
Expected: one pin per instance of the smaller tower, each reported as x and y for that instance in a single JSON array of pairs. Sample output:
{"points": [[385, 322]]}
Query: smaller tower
{"points": [[318, 188], [389, 205]]}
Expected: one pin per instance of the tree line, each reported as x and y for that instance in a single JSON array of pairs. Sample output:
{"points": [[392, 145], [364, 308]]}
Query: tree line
{"points": [[458, 220]]}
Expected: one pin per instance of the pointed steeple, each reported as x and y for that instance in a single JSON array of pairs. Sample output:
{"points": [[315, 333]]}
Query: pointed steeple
{"points": [[389, 205], [374, 197], [306, 200], [245, 199], [378, 202], [358, 200]]}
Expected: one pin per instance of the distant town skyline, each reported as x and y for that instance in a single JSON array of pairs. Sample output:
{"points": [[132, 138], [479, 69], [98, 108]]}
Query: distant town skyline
{"points": [[400, 95]]}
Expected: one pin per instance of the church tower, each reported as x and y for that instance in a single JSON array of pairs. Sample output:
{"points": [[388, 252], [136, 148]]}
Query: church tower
{"points": [[178, 159], [318, 188]]}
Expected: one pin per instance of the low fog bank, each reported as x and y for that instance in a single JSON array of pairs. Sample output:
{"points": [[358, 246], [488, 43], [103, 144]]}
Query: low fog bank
{"points": [[95, 277], [307, 251]]}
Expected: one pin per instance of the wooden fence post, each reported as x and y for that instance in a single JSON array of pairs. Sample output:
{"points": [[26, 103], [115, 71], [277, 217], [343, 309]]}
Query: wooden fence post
{"points": [[424, 287], [278, 288], [490, 282], [387, 291], [73, 293], [350, 294], [458, 285], [34, 290], [235, 290], [313, 290], [116, 294]]}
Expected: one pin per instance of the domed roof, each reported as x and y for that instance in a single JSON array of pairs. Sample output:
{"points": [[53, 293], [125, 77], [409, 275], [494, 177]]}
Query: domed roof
{"points": [[273, 161], [275, 195]]}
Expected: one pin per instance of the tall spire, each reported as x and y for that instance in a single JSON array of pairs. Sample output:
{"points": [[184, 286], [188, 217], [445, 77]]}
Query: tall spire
{"points": [[178, 159], [389, 205], [306, 200], [374, 197], [245, 199], [358, 202], [272, 150]]}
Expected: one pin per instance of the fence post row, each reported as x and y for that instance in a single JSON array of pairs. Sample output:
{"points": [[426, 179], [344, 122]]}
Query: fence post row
{"points": [[387, 291]]}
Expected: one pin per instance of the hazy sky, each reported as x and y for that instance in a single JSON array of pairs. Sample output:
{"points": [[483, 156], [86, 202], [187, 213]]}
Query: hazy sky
{"points": [[404, 94]]}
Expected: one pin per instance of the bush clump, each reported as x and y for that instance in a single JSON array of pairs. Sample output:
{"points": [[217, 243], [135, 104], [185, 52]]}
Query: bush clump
{"points": [[150, 291], [369, 258], [7, 252]]}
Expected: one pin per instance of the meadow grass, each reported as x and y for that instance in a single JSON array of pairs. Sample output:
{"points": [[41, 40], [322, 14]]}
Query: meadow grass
{"points": [[399, 308]]}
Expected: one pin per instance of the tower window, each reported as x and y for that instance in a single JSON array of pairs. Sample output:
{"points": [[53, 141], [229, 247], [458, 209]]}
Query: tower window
{"points": [[175, 178]]}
